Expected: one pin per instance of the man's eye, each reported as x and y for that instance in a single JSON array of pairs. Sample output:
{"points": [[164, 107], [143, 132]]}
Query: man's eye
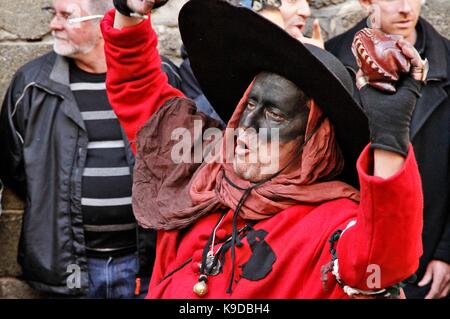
{"points": [[67, 16], [275, 116], [251, 105]]}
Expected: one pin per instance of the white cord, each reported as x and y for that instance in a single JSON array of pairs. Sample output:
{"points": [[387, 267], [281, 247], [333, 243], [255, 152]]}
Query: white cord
{"points": [[82, 19], [214, 235], [138, 15]]}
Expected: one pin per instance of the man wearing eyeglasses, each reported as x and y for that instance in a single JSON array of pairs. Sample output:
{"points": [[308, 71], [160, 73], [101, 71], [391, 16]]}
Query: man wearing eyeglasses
{"points": [[429, 130], [63, 150]]}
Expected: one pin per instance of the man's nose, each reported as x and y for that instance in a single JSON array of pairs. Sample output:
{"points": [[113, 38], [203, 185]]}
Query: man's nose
{"points": [[56, 24], [303, 9], [252, 118], [405, 6]]}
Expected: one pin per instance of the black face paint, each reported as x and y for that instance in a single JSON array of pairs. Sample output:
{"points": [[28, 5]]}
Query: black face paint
{"points": [[275, 102]]}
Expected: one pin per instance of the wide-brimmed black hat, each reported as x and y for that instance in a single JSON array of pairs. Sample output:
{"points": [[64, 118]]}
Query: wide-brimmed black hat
{"points": [[229, 45]]}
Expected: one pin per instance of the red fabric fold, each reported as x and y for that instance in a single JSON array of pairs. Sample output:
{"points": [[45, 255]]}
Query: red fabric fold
{"points": [[320, 161]]}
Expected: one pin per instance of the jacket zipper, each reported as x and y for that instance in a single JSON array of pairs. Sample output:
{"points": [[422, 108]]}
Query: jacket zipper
{"points": [[72, 180]]}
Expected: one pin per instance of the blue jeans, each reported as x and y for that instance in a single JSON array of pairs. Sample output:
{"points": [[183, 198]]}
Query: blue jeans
{"points": [[115, 278]]}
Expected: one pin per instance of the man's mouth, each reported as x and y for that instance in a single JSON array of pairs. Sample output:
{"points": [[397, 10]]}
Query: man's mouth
{"points": [[403, 23], [56, 36], [300, 26], [296, 23], [242, 149]]}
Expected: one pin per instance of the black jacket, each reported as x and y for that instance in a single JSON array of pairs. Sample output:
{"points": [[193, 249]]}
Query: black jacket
{"points": [[430, 135], [43, 145]]}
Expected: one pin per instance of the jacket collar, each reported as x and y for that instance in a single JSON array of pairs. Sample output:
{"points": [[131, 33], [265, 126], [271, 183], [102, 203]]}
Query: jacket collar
{"points": [[55, 78], [435, 51], [60, 71], [431, 97], [421, 39]]}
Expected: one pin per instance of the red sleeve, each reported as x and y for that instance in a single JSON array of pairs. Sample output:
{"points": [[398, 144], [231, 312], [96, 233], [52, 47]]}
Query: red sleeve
{"points": [[135, 84], [387, 235]]}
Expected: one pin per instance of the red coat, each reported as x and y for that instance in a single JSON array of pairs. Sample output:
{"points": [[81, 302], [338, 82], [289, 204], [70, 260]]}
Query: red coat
{"points": [[387, 233], [287, 251]]}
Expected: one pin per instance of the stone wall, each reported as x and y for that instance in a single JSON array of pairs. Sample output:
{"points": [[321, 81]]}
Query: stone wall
{"points": [[24, 35]]}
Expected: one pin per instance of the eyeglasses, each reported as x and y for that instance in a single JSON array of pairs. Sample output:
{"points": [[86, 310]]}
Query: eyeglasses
{"points": [[66, 18]]}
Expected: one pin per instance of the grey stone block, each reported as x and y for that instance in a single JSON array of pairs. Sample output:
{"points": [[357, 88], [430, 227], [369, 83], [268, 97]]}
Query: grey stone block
{"points": [[13, 55], [437, 13], [169, 42], [168, 14], [337, 19], [317, 4], [13, 288], [10, 226], [10, 201], [24, 18], [7, 36]]}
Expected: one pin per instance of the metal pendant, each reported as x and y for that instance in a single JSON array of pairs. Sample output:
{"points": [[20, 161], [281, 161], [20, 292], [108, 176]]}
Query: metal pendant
{"points": [[200, 288], [209, 269]]}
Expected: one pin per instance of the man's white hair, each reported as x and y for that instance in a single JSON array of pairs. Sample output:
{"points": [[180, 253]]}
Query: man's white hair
{"points": [[99, 6]]}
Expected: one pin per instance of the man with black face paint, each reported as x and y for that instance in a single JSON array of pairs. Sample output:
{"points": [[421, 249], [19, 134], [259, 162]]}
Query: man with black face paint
{"points": [[276, 104], [243, 228]]}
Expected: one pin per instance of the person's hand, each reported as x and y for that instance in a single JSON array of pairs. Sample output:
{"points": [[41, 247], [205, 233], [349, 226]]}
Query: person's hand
{"points": [[390, 115], [140, 6], [438, 272], [418, 66], [131, 12], [316, 38]]}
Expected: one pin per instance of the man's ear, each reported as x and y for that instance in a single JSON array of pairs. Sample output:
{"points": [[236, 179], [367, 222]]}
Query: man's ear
{"points": [[366, 5], [373, 12]]}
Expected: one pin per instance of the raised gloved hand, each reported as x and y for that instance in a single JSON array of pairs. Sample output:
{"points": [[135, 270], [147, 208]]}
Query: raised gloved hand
{"points": [[139, 7], [390, 114]]}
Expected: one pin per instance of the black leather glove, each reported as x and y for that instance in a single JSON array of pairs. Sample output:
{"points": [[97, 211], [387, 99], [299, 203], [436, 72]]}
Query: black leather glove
{"points": [[122, 7], [390, 115]]}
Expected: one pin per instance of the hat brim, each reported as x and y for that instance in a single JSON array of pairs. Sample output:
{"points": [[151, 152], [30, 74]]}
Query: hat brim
{"points": [[228, 46]]}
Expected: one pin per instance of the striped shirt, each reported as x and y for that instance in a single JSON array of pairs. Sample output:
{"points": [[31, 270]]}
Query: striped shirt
{"points": [[109, 224]]}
